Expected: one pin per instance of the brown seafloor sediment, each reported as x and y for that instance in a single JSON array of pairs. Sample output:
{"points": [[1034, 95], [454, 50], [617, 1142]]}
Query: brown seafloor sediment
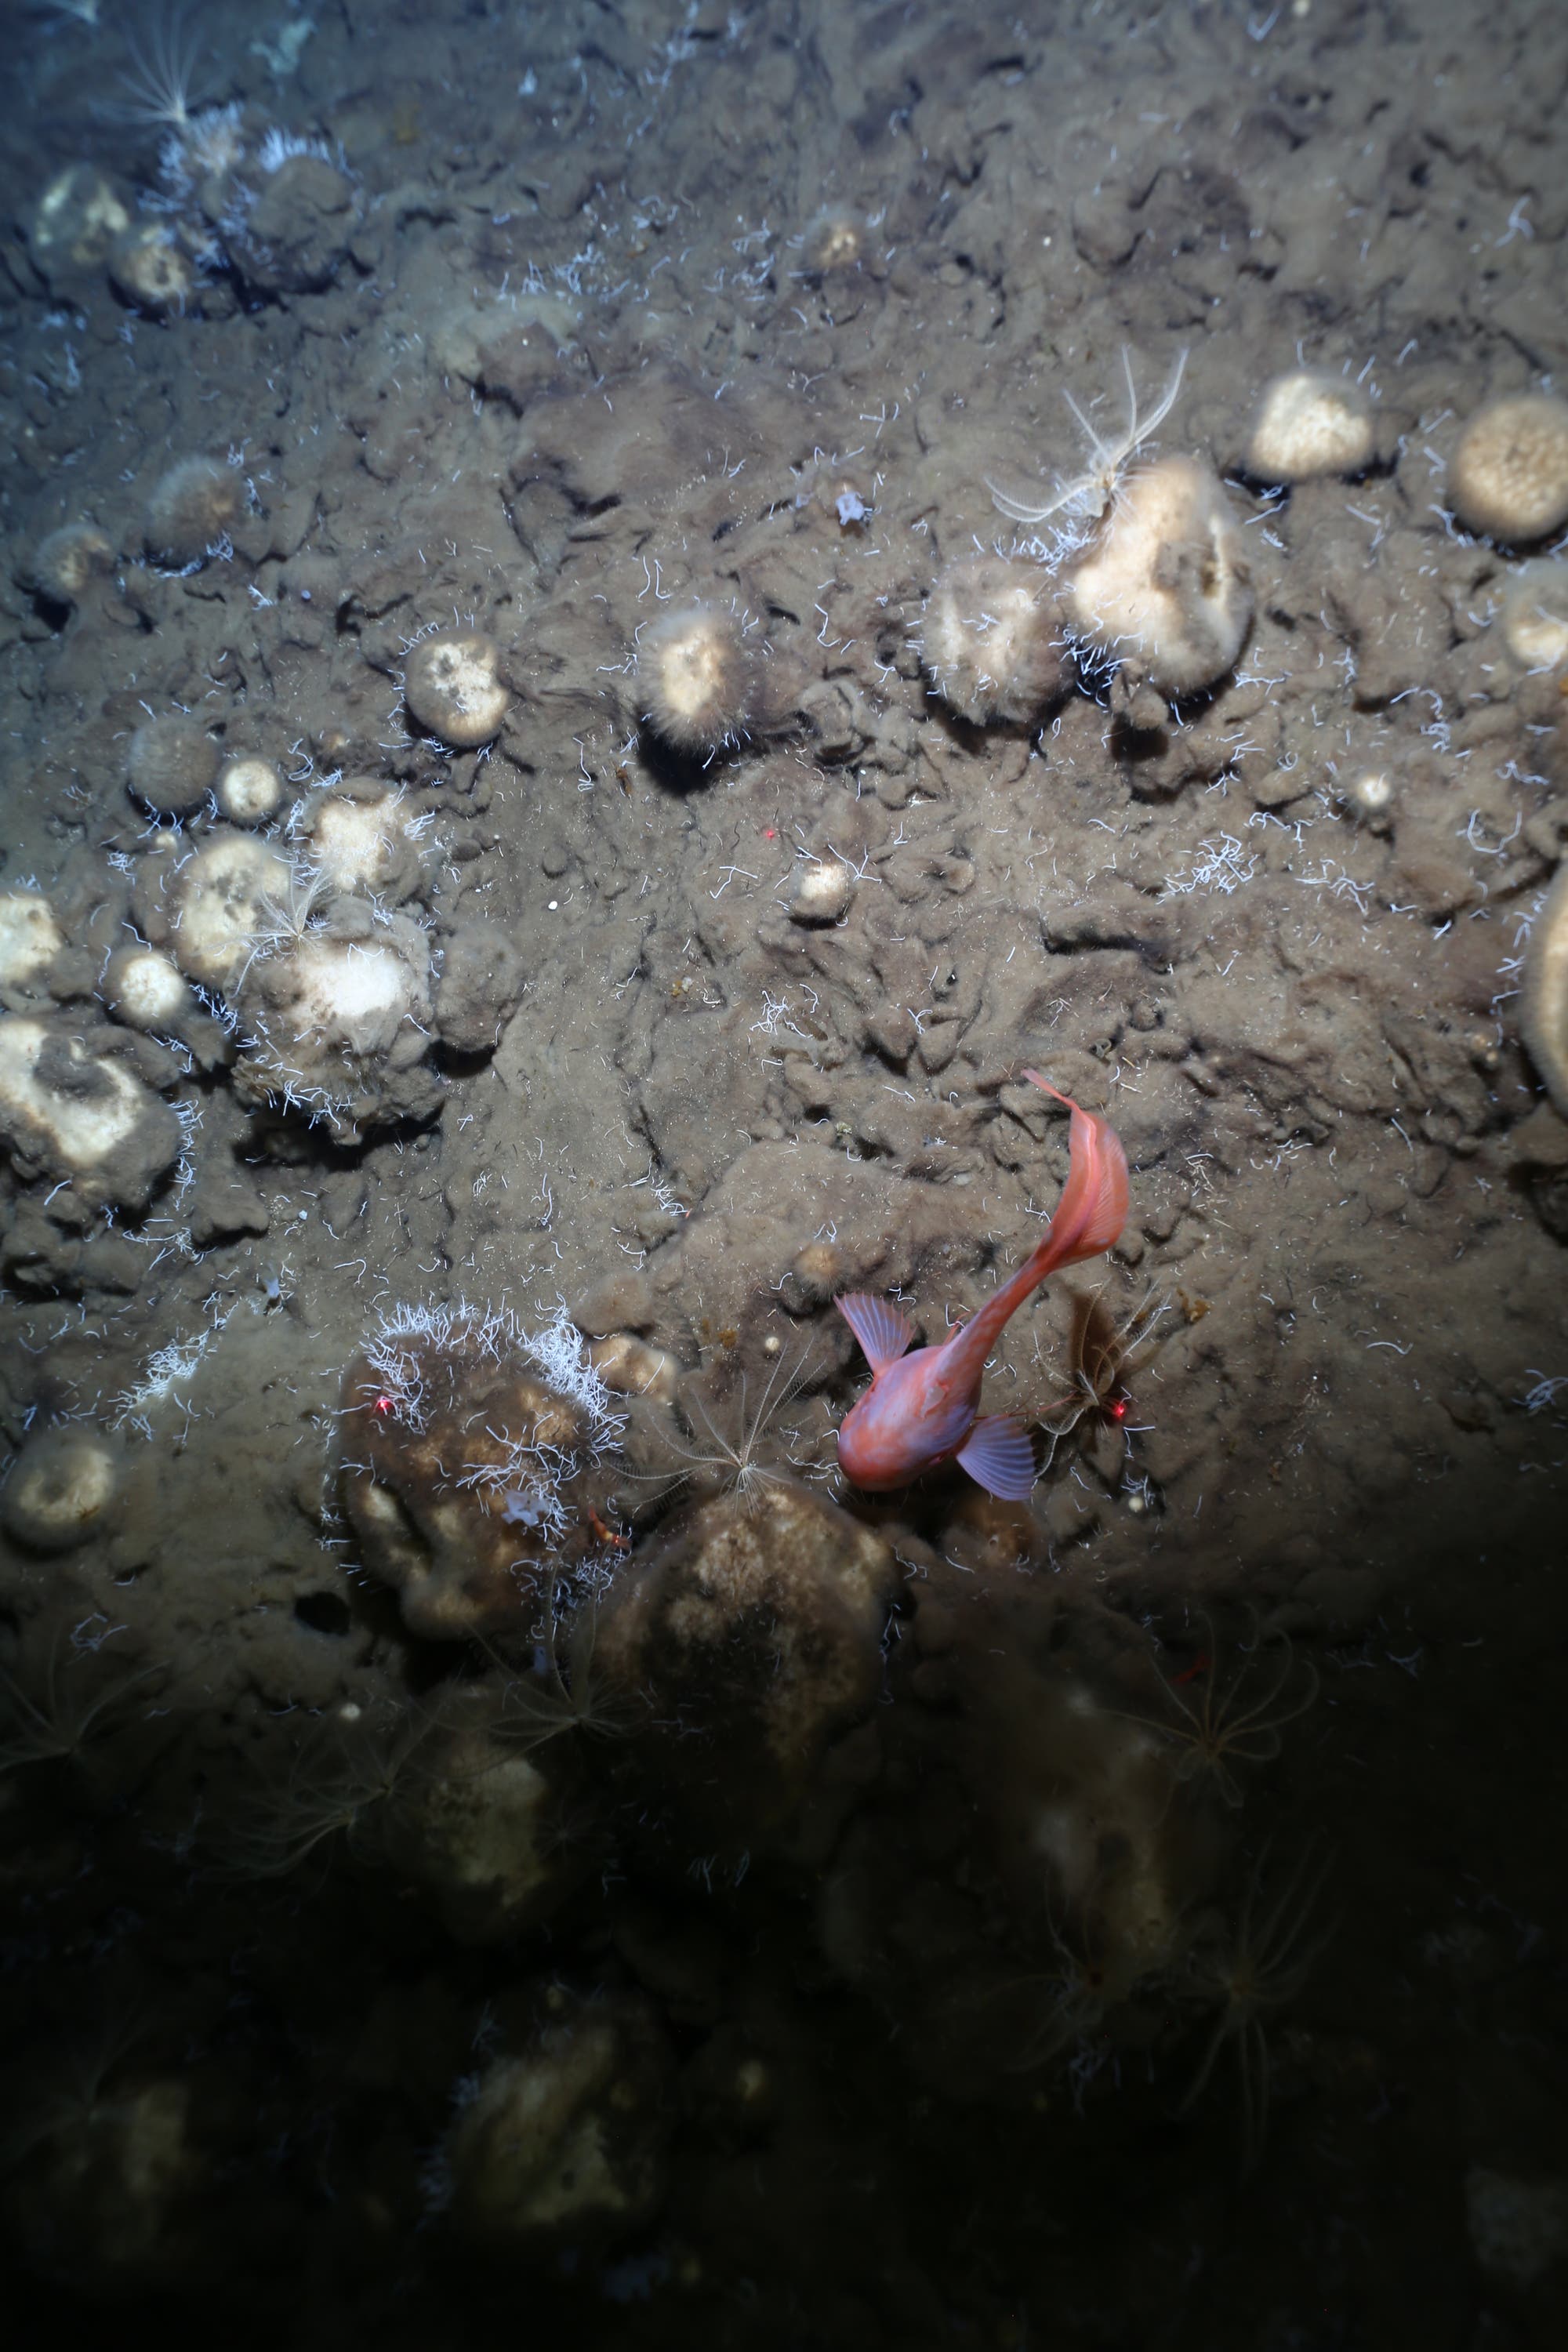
{"points": [[553, 1838]]}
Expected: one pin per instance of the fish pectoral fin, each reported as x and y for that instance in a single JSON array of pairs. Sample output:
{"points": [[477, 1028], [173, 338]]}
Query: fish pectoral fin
{"points": [[999, 1457], [882, 1331]]}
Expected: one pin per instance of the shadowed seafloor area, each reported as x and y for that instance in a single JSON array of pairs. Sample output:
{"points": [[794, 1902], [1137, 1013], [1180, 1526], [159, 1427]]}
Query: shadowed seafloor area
{"points": [[613, 619]]}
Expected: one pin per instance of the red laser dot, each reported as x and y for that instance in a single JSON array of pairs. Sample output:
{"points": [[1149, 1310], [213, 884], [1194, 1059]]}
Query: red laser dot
{"points": [[382, 1405]]}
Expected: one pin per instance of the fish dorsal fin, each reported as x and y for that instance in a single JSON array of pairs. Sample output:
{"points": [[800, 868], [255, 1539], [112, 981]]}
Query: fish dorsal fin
{"points": [[882, 1331], [998, 1457]]}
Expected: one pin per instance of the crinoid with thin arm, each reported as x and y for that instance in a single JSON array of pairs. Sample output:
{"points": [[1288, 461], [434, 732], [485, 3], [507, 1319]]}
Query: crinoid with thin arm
{"points": [[285, 918], [1067, 2003], [1219, 1718], [1256, 1963], [1103, 1356], [288, 915], [61, 2082], [56, 1710], [1025, 2023], [340, 1783], [1089, 495], [732, 1448], [160, 82], [562, 1693]]}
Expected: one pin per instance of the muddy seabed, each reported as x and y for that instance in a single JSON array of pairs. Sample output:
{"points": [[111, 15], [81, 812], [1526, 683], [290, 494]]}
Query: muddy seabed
{"points": [[1134, 1917]]}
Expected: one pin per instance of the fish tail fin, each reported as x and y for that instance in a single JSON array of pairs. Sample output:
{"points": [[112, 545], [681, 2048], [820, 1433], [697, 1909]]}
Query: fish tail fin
{"points": [[1089, 1220], [1092, 1209]]}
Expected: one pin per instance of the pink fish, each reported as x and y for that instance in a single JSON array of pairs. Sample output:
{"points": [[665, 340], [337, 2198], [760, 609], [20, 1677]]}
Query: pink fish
{"points": [[924, 1409]]}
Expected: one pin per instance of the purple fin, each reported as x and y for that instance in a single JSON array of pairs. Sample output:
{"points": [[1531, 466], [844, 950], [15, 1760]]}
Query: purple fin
{"points": [[998, 1457], [882, 1331]]}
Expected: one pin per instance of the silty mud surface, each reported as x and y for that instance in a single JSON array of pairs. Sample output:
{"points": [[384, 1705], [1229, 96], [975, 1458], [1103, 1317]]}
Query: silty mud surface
{"points": [[876, 1927]]}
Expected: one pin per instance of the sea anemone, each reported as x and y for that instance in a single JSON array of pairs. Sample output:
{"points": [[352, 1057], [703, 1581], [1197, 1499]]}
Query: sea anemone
{"points": [[249, 791], [30, 939], [68, 560], [59, 1490], [150, 268], [172, 766], [190, 511], [1310, 423], [1545, 1022], [1535, 615], [1509, 474], [1165, 589], [453, 690], [145, 989], [993, 641], [697, 678]]}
